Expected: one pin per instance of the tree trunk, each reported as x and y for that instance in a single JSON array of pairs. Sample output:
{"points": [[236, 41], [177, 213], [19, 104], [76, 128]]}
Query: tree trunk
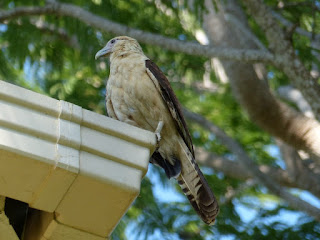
{"points": [[253, 93]]}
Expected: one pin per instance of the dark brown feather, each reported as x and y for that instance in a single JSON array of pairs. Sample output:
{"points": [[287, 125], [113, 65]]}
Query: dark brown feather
{"points": [[172, 103]]}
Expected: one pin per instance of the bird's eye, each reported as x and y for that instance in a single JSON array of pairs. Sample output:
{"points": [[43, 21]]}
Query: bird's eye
{"points": [[113, 41]]}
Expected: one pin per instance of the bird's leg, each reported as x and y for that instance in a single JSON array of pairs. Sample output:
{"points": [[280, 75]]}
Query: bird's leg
{"points": [[158, 131]]}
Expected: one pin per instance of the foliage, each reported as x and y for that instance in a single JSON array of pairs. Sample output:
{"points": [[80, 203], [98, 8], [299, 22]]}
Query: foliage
{"points": [[50, 63]]}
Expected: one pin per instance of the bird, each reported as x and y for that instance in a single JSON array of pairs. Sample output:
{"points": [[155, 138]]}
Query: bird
{"points": [[138, 93]]}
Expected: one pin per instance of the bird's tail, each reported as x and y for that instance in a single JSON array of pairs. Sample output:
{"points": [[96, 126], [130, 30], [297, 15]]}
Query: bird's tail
{"points": [[196, 188]]}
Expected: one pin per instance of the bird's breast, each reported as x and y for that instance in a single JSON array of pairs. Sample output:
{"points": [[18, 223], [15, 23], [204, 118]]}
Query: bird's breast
{"points": [[136, 100]]}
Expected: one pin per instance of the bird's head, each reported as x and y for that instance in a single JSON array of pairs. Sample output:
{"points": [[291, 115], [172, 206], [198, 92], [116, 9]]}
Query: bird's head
{"points": [[119, 46]]}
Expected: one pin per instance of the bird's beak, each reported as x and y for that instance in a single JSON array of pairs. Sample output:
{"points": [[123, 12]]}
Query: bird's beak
{"points": [[104, 52]]}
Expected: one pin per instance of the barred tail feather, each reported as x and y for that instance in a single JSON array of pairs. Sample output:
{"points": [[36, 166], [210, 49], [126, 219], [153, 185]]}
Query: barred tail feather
{"points": [[197, 190]]}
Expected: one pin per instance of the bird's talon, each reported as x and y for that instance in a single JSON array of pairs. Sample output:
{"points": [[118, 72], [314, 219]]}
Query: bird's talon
{"points": [[158, 135], [158, 131]]}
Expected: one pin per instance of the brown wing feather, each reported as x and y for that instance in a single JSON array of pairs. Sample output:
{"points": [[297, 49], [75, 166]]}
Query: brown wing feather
{"points": [[191, 180], [172, 102]]}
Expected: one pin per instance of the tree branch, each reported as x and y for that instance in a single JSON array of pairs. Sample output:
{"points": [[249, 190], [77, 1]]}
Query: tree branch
{"points": [[106, 25], [254, 95], [45, 27], [247, 162], [245, 31], [303, 177], [289, 63], [197, 86], [295, 96], [236, 170], [231, 192], [315, 39], [51, 29]]}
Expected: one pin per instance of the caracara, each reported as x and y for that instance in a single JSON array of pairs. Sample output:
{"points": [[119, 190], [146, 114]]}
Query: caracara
{"points": [[138, 93]]}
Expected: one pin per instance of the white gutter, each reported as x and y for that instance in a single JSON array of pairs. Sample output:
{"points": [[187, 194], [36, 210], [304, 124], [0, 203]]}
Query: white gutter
{"points": [[83, 169]]}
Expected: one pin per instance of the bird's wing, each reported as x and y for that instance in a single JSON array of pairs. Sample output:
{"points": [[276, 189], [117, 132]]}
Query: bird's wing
{"points": [[164, 88], [191, 179]]}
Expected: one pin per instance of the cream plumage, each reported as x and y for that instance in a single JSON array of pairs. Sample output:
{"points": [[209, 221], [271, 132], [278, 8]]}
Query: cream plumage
{"points": [[139, 94]]}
